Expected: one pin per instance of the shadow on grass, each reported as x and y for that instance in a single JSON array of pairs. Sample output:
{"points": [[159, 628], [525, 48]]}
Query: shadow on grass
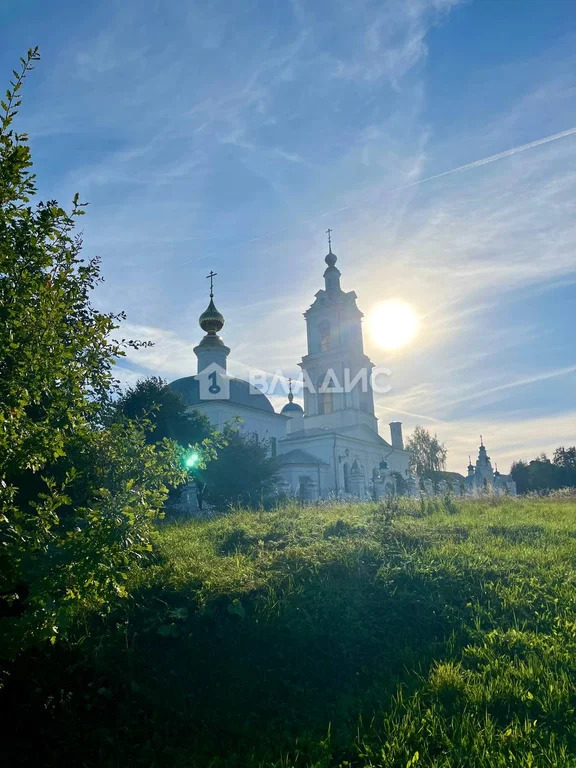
{"points": [[240, 680]]}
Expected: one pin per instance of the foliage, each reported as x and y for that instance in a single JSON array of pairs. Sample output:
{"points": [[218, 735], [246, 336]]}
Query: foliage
{"points": [[311, 637], [165, 411], [76, 500], [244, 472], [565, 457], [427, 453], [541, 474]]}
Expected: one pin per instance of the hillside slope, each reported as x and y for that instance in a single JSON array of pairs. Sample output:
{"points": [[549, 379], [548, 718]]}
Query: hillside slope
{"points": [[432, 634]]}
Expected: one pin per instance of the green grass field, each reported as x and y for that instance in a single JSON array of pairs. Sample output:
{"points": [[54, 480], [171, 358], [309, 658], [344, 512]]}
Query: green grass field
{"points": [[435, 634]]}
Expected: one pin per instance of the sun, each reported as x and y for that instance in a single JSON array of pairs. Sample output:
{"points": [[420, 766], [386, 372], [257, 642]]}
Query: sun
{"points": [[393, 324]]}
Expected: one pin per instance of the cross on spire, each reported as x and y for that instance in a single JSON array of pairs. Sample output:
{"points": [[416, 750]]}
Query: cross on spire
{"points": [[211, 276], [290, 395], [481, 440], [329, 233]]}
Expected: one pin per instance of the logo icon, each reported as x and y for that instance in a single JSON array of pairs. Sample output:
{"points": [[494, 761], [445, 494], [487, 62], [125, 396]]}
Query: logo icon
{"points": [[213, 383]]}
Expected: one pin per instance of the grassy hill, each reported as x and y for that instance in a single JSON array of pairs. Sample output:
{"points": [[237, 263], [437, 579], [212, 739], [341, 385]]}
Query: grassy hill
{"points": [[432, 634]]}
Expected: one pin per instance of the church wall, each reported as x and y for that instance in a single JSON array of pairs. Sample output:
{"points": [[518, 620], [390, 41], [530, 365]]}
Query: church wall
{"points": [[344, 451], [265, 425]]}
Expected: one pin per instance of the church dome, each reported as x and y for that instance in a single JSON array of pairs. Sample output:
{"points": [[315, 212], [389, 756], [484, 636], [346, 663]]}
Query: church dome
{"points": [[211, 320], [330, 258], [292, 408], [241, 393]]}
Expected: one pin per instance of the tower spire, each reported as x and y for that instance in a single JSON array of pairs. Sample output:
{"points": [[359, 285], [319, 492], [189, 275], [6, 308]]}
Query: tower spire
{"points": [[290, 395], [331, 273]]}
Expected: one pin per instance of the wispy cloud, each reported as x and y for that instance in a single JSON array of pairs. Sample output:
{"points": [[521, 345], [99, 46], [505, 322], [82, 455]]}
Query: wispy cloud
{"points": [[516, 383], [230, 136]]}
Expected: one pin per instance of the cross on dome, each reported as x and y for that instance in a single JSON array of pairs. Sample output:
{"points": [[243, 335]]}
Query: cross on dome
{"points": [[211, 320], [211, 277], [330, 257]]}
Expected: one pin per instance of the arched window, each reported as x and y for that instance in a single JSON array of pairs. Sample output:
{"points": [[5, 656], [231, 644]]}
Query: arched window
{"points": [[324, 329], [325, 395], [346, 477]]}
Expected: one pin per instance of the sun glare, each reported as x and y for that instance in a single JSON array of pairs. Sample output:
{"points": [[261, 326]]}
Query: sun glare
{"points": [[393, 324]]}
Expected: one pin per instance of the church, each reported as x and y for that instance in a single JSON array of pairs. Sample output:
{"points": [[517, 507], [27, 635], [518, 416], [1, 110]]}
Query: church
{"points": [[483, 479], [331, 446]]}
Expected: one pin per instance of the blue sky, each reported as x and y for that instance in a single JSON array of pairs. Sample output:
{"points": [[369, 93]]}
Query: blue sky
{"points": [[230, 135]]}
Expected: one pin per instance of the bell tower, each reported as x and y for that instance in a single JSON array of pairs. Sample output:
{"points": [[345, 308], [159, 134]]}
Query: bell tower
{"points": [[337, 373]]}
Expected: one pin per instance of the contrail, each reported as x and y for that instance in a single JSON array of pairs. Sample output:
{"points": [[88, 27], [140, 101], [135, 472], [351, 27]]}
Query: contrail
{"points": [[499, 156]]}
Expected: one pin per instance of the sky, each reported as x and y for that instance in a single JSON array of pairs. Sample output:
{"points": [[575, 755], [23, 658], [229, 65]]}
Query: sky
{"points": [[230, 135]]}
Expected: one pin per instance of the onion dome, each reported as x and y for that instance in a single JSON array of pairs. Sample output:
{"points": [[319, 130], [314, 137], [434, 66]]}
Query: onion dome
{"points": [[291, 407], [331, 273], [330, 258], [211, 320]]}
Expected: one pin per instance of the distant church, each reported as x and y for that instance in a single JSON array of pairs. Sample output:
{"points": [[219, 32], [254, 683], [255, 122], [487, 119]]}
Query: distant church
{"points": [[331, 447], [483, 479]]}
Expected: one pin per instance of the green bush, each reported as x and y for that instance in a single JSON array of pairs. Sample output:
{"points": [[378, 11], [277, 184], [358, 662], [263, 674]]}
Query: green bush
{"points": [[76, 499]]}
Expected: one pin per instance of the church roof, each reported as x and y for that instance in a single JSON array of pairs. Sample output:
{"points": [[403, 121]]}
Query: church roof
{"points": [[298, 456], [241, 393]]}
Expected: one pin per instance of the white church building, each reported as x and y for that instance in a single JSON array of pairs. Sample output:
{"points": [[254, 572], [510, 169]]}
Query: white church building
{"points": [[331, 446], [482, 479]]}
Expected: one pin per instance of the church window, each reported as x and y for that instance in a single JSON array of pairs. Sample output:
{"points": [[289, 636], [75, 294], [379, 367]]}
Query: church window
{"points": [[324, 336], [325, 396]]}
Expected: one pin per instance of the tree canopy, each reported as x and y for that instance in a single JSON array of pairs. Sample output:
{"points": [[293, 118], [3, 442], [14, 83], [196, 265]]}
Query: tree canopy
{"points": [[543, 474], [165, 411], [427, 453], [77, 500], [243, 473]]}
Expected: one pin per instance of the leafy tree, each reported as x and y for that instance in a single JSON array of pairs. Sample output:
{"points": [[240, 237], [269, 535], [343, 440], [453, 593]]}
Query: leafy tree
{"points": [[541, 474], [427, 453], [77, 501], [519, 472], [165, 411], [565, 459], [242, 474]]}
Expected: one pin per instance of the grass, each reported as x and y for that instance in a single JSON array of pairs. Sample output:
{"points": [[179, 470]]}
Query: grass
{"points": [[433, 634]]}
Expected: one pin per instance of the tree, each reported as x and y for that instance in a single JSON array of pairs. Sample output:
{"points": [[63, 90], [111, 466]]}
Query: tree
{"points": [[243, 472], [77, 500], [520, 474], [541, 474], [165, 412], [427, 454]]}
